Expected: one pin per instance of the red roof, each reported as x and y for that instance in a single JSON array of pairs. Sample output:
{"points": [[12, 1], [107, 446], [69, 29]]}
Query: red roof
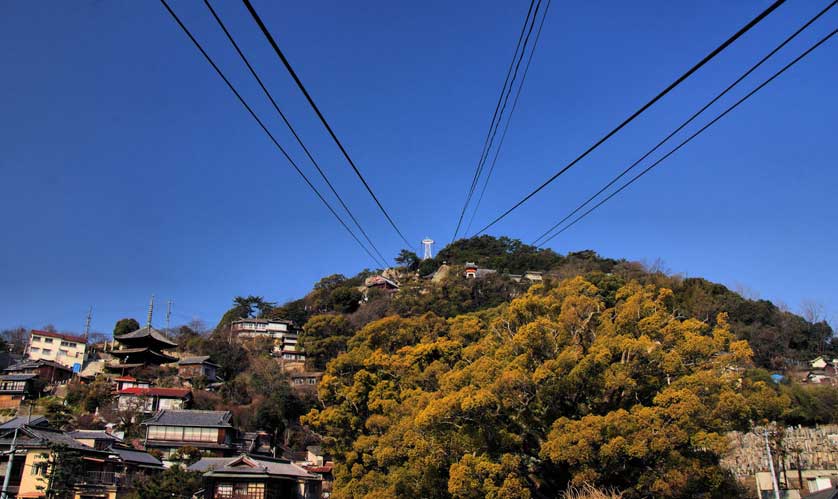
{"points": [[156, 392], [125, 378], [326, 468], [61, 336]]}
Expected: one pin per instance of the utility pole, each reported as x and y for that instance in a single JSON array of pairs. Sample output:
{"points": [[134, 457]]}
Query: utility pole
{"points": [[87, 322], [4, 494], [168, 316], [774, 483]]}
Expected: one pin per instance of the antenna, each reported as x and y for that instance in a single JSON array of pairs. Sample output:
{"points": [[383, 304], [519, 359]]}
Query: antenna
{"points": [[87, 322], [427, 243], [150, 311], [168, 316]]}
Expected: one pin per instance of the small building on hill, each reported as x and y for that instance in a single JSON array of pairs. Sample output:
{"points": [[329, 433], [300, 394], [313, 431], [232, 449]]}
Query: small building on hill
{"points": [[123, 382], [381, 282], [302, 380], [66, 349], [211, 432], [258, 327], [16, 387], [199, 366], [48, 371], [154, 399], [472, 271], [248, 476], [142, 348]]}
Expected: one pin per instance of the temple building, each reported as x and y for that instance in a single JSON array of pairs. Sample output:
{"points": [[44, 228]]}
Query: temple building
{"points": [[142, 348]]}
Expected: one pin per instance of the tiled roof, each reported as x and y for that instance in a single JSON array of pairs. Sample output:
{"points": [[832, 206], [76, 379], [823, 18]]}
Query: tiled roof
{"points": [[93, 435], [17, 377], [19, 421], [34, 364], [144, 332], [250, 465], [207, 419], [156, 392], [135, 456], [201, 359], [62, 336]]}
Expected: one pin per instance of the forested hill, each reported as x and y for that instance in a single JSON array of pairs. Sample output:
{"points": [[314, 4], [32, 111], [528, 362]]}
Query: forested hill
{"points": [[604, 372], [777, 336]]}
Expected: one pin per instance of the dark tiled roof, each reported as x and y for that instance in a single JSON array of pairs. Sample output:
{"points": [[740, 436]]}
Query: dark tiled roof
{"points": [[93, 435], [251, 465], [207, 419], [17, 377], [19, 421], [34, 364], [201, 359], [135, 456], [145, 332], [41, 437]]}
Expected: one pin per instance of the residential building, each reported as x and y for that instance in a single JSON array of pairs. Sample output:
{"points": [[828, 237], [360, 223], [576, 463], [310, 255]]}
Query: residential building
{"points": [[105, 474], [18, 421], [16, 387], [472, 271], [255, 328], [48, 371], [141, 348], [96, 439], [256, 477], [154, 399], [66, 349], [302, 380], [381, 282], [200, 366], [124, 382], [211, 432]]}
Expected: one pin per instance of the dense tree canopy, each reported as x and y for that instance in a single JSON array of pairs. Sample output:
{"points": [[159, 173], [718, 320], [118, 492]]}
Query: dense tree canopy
{"points": [[127, 325], [556, 387]]}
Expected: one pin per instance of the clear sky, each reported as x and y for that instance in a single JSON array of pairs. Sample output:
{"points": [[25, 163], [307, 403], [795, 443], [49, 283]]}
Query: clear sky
{"points": [[127, 167]]}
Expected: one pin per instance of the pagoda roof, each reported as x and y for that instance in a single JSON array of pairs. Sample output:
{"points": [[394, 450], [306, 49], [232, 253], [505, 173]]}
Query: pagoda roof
{"points": [[146, 334], [143, 353]]}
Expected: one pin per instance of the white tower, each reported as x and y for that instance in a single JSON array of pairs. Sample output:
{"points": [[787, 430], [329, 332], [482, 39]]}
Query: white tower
{"points": [[427, 243]]}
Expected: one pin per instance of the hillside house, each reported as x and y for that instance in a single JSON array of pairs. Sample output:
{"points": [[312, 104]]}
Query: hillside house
{"points": [[256, 328], [106, 473], [154, 399], [211, 432], [381, 282], [96, 439], [302, 380], [256, 477], [48, 371], [200, 366], [124, 382], [66, 349], [14, 388], [472, 271]]}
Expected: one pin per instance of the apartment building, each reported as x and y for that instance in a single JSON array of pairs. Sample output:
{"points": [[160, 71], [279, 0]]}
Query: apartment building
{"points": [[66, 349]]}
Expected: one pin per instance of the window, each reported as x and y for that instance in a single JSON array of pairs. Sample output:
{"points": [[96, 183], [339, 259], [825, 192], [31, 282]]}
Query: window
{"points": [[63, 351], [34, 349], [312, 381], [298, 381], [36, 338], [39, 469], [47, 350], [47, 340], [224, 490]]}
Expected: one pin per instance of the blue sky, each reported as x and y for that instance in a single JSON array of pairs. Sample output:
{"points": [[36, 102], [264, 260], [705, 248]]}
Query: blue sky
{"points": [[127, 168]]}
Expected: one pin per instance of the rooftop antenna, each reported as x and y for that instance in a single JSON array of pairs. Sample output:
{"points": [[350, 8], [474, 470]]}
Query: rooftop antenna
{"points": [[87, 322], [427, 243], [168, 316], [150, 311]]}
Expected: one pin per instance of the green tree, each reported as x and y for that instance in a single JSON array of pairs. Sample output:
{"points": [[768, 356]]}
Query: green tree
{"points": [[345, 299], [173, 482], [324, 337], [126, 325], [64, 466], [58, 414], [408, 259]]}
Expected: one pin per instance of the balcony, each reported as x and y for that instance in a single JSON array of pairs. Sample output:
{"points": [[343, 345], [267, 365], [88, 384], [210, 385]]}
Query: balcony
{"points": [[98, 478]]}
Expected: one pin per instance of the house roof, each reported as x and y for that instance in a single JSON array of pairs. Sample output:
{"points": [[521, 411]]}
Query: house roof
{"points": [[197, 360], [206, 419], [40, 437], [17, 377], [93, 435], [34, 364], [146, 332], [831, 493], [18, 421], [62, 336], [251, 465], [180, 393], [135, 456]]}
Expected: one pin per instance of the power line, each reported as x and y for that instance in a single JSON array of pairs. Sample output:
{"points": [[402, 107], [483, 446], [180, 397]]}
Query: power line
{"points": [[696, 134], [264, 128], [509, 118], [290, 127], [689, 120], [486, 142], [308, 97], [637, 113]]}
